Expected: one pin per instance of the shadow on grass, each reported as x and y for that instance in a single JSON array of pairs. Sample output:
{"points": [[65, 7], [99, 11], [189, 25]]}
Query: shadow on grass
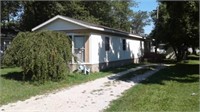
{"points": [[18, 76], [165, 61], [183, 73], [120, 69], [173, 61], [135, 76], [193, 57]]}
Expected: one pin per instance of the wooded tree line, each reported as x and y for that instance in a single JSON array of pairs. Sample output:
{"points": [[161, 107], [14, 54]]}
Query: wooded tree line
{"points": [[114, 14], [177, 24]]}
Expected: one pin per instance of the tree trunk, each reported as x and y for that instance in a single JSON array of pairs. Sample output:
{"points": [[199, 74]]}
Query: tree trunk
{"points": [[179, 54], [156, 49], [193, 50], [176, 53]]}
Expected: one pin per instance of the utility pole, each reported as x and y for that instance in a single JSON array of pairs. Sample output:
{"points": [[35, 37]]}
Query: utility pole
{"points": [[157, 17], [157, 12]]}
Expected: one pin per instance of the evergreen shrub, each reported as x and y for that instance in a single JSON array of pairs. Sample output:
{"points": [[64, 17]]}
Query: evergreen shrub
{"points": [[43, 55]]}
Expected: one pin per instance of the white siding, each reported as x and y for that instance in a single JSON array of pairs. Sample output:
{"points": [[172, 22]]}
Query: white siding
{"points": [[59, 24], [116, 52]]}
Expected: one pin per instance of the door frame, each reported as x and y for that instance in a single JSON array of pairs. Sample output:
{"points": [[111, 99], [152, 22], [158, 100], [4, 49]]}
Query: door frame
{"points": [[86, 46]]}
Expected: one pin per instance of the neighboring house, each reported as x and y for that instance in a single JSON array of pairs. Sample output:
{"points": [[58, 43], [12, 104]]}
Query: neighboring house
{"points": [[97, 46]]}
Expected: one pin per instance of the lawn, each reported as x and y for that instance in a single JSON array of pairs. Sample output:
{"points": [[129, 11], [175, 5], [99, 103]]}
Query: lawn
{"points": [[14, 89], [175, 88]]}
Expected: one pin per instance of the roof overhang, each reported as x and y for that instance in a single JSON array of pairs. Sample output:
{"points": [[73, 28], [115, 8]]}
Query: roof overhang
{"points": [[66, 19], [86, 26]]}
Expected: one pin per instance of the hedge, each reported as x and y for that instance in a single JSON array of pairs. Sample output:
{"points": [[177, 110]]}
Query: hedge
{"points": [[43, 55]]}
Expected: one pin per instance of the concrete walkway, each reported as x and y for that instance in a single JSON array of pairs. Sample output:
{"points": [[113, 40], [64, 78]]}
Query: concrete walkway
{"points": [[92, 96]]}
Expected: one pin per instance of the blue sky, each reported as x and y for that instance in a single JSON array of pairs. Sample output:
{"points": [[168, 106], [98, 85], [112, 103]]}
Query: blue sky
{"points": [[146, 5]]}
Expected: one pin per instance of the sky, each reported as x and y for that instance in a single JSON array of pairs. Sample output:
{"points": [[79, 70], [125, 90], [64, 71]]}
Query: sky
{"points": [[146, 5]]}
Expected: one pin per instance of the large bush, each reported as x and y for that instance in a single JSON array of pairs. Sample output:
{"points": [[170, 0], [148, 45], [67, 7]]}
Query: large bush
{"points": [[43, 55]]}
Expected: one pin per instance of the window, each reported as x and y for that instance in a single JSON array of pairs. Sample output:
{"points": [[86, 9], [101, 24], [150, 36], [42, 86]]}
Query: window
{"points": [[79, 47], [107, 43], [124, 44]]}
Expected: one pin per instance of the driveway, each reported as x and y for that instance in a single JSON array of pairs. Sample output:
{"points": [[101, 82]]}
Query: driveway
{"points": [[91, 96]]}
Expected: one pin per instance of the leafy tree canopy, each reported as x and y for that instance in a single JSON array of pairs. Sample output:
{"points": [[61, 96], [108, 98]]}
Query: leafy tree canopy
{"points": [[177, 25], [140, 19], [115, 14]]}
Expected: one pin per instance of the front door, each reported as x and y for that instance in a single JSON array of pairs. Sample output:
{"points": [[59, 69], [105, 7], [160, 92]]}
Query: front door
{"points": [[79, 48]]}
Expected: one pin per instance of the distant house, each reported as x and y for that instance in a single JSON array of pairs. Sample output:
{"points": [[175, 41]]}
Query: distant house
{"points": [[96, 46]]}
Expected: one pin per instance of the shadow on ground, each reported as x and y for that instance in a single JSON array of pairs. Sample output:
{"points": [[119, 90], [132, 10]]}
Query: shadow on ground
{"points": [[183, 73], [135, 76], [193, 57], [18, 76], [120, 69]]}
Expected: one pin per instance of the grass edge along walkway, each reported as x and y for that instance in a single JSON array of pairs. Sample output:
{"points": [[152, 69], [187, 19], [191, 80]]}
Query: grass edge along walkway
{"points": [[25, 90], [13, 88], [98, 87], [175, 88]]}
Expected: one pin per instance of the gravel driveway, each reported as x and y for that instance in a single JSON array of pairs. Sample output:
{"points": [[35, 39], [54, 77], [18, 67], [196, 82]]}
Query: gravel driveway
{"points": [[92, 96]]}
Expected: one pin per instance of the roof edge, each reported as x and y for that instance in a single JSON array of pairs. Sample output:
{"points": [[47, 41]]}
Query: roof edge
{"points": [[45, 23], [66, 19], [84, 25]]}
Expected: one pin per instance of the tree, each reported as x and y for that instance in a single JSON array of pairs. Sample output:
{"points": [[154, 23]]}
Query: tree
{"points": [[159, 33], [177, 25], [140, 19], [99, 10], [42, 55], [193, 24], [36, 12], [121, 13], [115, 14], [9, 11]]}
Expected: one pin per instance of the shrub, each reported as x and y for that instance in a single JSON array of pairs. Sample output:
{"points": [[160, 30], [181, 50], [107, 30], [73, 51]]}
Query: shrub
{"points": [[43, 55]]}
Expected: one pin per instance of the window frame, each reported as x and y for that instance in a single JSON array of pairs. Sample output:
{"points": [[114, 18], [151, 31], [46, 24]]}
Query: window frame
{"points": [[124, 44], [107, 43]]}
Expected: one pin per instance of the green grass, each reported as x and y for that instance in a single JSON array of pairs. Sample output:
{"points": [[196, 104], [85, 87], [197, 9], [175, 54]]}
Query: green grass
{"points": [[168, 90], [13, 88]]}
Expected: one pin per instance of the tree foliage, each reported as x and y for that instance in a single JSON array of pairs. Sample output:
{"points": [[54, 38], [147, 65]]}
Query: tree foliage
{"points": [[121, 15], [36, 12], [115, 14], [177, 25], [43, 55], [9, 11], [140, 19]]}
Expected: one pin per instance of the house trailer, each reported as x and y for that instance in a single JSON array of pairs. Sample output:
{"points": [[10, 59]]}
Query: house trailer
{"points": [[96, 46]]}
